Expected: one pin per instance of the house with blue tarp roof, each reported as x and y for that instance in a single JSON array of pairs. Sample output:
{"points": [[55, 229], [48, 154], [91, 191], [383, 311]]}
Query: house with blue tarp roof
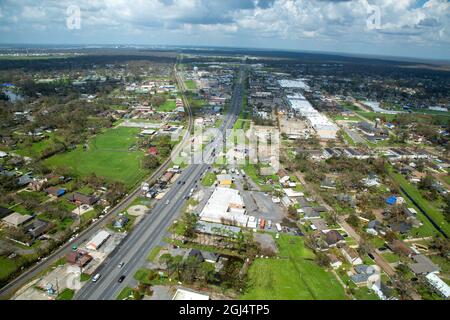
{"points": [[391, 200]]}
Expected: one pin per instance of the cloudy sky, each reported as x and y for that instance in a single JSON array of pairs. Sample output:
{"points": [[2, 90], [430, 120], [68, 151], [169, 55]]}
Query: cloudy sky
{"points": [[412, 28]]}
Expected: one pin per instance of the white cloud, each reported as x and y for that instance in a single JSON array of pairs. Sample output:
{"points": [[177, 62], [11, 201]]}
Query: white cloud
{"points": [[342, 23]]}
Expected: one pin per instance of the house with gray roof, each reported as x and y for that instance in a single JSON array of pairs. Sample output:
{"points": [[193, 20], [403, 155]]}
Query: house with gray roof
{"points": [[423, 265]]}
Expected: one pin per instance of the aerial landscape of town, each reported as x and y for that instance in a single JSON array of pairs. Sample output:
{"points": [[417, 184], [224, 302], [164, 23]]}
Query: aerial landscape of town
{"points": [[177, 172]]}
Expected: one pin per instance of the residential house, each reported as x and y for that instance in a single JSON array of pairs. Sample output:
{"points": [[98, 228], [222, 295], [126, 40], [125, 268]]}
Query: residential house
{"points": [[153, 151], [351, 255], [210, 257], [80, 198], [392, 200], [423, 265], [120, 222], [79, 257], [4, 212], [333, 237], [328, 183], [16, 219], [319, 224], [310, 213], [195, 254], [24, 180], [401, 227], [363, 274], [36, 228], [55, 191], [374, 226], [335, 263], [399, 247]]}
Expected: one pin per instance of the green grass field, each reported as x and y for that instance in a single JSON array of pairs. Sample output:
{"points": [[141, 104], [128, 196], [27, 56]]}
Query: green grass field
{"points": [[390, 257], [107, 156], [209, 179], [373, 115], [167, 106], [66, 294], [294, 276], [430, 209], [242, 124], [125, 293], [347, 118], [7, 266], [190, 84], [35, 149]]}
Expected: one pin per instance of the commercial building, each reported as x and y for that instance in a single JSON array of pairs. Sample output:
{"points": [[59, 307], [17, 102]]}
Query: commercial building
{"points": [[323, 126], [16, 219], [225, 206], [183, 294], [440, 286], [99, 239]]}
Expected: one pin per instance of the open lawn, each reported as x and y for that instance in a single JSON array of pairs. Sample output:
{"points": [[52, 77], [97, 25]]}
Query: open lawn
{"points": [[429, 208], [252, 171], [209, 179], [190, 84], [390, 257], [66, 294], [168, 105], [365, 293], [107, 155], [373, 115], [35, 149], [293, 275], [242, 124], [153, 253], [7, 267], [125, 293]]}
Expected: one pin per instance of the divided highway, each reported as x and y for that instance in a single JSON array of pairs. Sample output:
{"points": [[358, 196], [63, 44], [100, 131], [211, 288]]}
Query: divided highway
{"points": [[149, 233]]}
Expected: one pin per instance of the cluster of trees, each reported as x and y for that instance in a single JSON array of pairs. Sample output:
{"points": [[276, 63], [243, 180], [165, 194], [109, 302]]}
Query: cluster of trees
{"points": [[192, 270], [426, 185], [164, 147]]}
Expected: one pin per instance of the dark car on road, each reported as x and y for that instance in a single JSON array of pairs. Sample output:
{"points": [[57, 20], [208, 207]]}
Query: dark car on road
{"points": [[121, 278]]}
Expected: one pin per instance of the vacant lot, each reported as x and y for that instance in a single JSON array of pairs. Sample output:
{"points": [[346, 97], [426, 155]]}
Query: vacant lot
{"points": [[293, 275], [209, 179], [168, 105], [190, 84], [107, 155], [7, 266]]}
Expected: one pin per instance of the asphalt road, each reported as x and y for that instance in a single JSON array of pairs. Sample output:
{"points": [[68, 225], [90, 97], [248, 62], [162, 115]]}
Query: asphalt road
{"points": [[149, 233]]}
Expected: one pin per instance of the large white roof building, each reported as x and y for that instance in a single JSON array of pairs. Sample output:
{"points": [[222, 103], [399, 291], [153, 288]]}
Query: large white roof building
{"points": [[298, 84], [98, 240], [438, 284], [183, 294], [323, 126], [225, 206]]}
